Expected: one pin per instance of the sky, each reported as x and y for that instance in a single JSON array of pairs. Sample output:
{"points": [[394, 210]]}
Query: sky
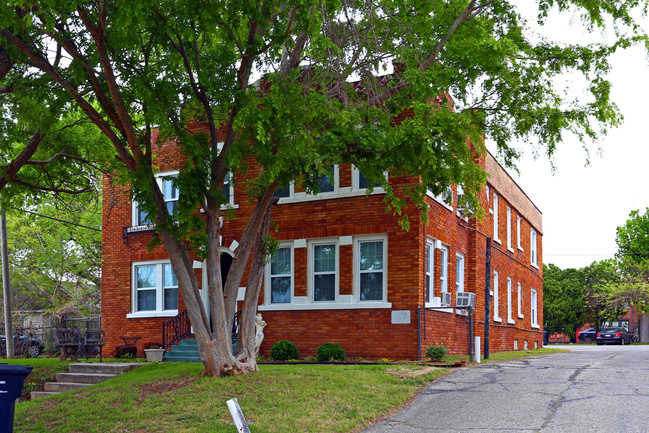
{"points": [[583, 205]]}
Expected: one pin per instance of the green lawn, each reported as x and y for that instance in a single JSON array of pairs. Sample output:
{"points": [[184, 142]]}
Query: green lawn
{"points": [[173, 397]]}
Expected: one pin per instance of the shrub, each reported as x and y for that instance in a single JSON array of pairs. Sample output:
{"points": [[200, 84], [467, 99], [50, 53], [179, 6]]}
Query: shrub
{"points": [[125, 351], [331, 352], [283, 350], [436, 353]]}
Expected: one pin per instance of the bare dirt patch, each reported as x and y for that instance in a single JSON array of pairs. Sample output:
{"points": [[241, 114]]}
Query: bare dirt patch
{"points": [[160, 387], [404, 372]]}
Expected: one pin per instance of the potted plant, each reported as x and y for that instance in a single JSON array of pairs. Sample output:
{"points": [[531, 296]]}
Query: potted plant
{"points": [[154, 352]]}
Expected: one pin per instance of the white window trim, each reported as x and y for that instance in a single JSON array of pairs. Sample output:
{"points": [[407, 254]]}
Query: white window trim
{"points": [[520, 301], [159, 312], [342, 302], [356, 278], [518, 232], [495, 212], [495, 295], [533, 248], [355, 182], [159, 178], [459, 282], [509, 229], [510, 318], [267, 276], [430, 243], [534, 309], [439, 198], [443, 277]]}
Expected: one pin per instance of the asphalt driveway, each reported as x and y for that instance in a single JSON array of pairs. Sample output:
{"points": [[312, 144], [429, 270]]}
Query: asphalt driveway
{"points": [[591, 389]]}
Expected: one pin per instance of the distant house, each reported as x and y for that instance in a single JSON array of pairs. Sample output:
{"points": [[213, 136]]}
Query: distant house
{"points": [[345, 272]]}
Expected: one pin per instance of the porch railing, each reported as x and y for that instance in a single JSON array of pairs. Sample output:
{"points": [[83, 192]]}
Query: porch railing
{"points": [[180, 328]]}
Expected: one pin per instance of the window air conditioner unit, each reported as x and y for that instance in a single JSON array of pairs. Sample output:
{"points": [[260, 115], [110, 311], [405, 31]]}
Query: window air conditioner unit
{"points": [[466, 299], [446, 299]]}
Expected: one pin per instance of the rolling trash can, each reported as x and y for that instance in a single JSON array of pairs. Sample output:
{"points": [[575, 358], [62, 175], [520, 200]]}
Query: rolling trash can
{"points": [[12, 378], [545, 338]]}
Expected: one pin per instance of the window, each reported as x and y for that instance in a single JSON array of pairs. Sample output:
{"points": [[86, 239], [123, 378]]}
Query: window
{"points": [[520, 301], [535, 323], [518, 232], [360, 181], [496, 217], [227, 189], [327, 180], [283, 191], [430, 271], [509, 228], [496, 314], [167, 183], [443, 272], [459, 273], [324, 283], [371, 268], [533, 247], [510, 318], [281, 276], [155, 288]]}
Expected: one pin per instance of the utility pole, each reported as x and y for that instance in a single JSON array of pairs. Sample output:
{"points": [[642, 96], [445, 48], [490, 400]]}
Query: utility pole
{"points": [[487, 298], [6, 287]]}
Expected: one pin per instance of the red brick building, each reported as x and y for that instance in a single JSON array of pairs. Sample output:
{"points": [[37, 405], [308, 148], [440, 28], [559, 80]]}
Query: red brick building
{"points": [[346, 272]]}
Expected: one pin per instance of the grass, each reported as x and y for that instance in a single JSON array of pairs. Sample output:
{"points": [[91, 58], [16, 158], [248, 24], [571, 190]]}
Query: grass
{"points": [[44, 370], [279, 398], [507, 355]]}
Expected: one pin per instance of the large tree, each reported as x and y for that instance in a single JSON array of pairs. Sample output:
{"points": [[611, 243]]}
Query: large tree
{"points": [[324, 98]]}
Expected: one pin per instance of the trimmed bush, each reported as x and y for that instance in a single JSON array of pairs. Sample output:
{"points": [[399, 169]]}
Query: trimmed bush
{"points": [[283, 350], [436, 353], [331, 352], [125, 351]]}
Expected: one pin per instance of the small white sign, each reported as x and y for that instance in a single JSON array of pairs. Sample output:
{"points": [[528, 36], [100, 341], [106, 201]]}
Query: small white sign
{"points": [[401, 317]]}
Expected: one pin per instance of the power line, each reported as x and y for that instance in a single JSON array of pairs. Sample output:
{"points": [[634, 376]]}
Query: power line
{"points": [[59, 220]]}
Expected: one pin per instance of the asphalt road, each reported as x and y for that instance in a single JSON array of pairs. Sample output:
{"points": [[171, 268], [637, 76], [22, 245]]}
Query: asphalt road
{"points": [[591, 389]]}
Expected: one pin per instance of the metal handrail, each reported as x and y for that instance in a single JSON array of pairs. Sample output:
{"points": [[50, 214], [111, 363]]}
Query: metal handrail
{"points": [[176, 329]]}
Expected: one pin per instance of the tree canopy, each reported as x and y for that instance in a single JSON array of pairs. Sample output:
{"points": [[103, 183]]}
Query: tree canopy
{"points": [[298, 86]]}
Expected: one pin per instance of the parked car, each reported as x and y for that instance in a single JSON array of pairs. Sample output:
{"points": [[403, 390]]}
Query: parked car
{"points": [[24, 344], [588, 335], [614, 336]]}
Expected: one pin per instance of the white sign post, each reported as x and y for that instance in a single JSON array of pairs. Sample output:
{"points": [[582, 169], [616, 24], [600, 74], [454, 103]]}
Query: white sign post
{"points": [[237, 416]]}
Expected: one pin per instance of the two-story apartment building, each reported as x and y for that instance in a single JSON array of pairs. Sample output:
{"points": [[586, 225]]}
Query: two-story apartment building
{"points": [[345, 271]]}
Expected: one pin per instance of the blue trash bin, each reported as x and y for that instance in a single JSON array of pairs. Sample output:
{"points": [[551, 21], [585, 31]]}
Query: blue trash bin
{"points": [[545, 338], [12, 378]]}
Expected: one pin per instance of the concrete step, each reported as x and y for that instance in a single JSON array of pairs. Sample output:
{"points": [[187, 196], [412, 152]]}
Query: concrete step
{"points": [[101, 367], [63, 386], [39, 394], [83, 377]]}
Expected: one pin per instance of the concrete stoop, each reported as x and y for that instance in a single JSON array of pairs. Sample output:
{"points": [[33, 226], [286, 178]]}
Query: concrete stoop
{"points": [[82, 375]]}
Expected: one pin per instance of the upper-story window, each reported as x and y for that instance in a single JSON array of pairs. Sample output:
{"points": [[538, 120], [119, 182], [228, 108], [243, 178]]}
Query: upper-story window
{"points": [[283, 191], [496, 298], [167, 184], [443, 271], [518, 233], [227, 189], [430, 270], [510, 317], [509, 228], [495, 210], [520, 300], [361, 182], [533, 254], [327, 180]]}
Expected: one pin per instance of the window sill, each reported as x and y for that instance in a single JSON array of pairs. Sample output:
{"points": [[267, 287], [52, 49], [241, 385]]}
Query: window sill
{"points": [[520, 316], [498, 240], [343, 192], [536, 326], [520, 248], [151, 314], [511, 321], [534, 265], [325, 306], [510, 249], [498, 319], [438, 307]]}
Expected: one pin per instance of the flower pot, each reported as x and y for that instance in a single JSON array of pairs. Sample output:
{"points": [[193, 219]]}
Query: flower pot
{"points": [[154, 355]]}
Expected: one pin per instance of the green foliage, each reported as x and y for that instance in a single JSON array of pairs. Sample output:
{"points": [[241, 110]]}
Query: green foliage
{"points": [[125, 351], [633, 237], [331, 352], [284, 350], [436, 353]]}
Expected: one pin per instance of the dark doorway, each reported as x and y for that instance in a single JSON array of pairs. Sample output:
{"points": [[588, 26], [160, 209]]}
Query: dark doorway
{"points": [[226, 262]]}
